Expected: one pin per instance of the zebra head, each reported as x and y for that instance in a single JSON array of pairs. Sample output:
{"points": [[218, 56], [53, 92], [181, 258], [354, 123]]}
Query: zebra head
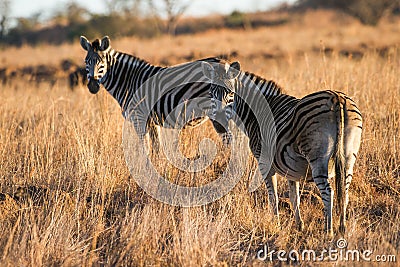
{"points": [[224, 84], [96, 60]]}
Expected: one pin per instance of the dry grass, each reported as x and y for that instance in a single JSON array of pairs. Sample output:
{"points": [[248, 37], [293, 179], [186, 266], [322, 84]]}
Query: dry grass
{"points": [[68, 197]]}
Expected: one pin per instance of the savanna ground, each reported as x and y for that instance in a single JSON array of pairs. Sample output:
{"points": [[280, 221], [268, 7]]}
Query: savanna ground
{"points": [[68, 197]]}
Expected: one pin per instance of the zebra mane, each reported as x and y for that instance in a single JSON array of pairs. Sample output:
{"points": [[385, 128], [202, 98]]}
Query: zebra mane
{"points": [[137, 59], [96, 45], [271, 86], [211, 59]]}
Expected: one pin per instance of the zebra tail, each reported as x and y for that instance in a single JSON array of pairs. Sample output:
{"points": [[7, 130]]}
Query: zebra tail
{"points": [[340, 166]]}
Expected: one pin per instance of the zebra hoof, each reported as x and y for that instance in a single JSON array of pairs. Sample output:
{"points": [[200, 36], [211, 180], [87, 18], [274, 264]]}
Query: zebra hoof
{"points": [[300, 226], [342, 229], [329, 234], [278, 221]]}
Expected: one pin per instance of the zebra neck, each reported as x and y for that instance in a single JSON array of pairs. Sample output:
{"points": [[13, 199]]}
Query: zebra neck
{"points": [[276, 102], [251, 81], [125, 74], [252, 89], [280, 107]]}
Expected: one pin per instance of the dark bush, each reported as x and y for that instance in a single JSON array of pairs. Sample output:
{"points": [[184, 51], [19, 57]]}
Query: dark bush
{"points": [[236, 19], [367, 11]]}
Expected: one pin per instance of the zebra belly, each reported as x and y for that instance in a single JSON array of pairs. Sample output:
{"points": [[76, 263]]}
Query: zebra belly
{"points": [[291, 164], [190, 113]]}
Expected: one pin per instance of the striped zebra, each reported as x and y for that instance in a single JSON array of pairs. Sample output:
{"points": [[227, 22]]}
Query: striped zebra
{"points": [[130, 79], [317, 136]]}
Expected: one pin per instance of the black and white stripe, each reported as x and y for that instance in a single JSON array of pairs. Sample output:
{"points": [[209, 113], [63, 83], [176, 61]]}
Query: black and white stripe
{"points": [[311, 132], [133, 81]]}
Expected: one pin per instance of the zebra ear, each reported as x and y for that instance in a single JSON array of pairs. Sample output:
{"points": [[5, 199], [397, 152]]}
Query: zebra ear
{"points": [[105, 43], [85, 43], [234, 70], [208, 70]]}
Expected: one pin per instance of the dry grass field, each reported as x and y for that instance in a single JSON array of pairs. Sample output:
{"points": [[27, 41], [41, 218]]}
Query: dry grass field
{"points": [[68, 198]]}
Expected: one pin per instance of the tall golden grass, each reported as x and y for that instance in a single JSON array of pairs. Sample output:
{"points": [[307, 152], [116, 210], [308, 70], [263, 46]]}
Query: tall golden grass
{"points": [[68, 197]]}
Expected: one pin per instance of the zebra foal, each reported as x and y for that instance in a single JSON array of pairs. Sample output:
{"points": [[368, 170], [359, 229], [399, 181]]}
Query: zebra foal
{"points": [[317, 136]]}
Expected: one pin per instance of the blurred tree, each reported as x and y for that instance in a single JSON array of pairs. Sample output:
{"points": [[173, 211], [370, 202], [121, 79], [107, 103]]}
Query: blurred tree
{"points": [[367, 11], [174, 10], [124, 7], [72, 13], [21, 33], [171, 10], [76, 13], [28, 23], [5, 7], [237, 19]]}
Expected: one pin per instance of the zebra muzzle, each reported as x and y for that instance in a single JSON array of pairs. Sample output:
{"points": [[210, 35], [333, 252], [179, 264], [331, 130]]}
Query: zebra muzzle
{"points": [[93, 85]]}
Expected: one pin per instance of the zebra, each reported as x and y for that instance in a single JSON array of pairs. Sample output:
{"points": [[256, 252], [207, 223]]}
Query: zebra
{"points": [[124, 75], [313, 133]]}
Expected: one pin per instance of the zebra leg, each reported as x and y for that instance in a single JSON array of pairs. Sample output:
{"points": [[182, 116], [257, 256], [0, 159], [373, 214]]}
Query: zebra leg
{"points": [[320, 177], [154, 133], [256, 178], [351, 147], [271, 184], [350, 161], [294, 195], [352, 140], [144, 142]]}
